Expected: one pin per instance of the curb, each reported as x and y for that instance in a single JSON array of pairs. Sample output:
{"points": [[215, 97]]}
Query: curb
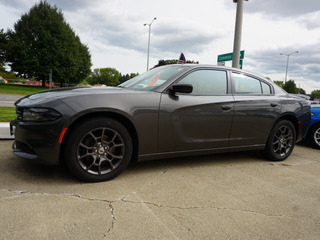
{"points": [[5, 131]]}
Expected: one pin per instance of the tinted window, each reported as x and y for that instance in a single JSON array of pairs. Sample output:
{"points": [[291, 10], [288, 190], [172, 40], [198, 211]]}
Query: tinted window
{"points": [[265, 88], [207, 82], [153, 78], [246, 85]]}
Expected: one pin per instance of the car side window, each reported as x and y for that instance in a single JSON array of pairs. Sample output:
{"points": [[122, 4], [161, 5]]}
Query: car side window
{"points": [[246, 85], [265, 88], [207, 82]]}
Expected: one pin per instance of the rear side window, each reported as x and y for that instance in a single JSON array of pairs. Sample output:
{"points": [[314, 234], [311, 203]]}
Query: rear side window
{"points": [[249, 86], [265, 88], [207, 82], [246, 85]]}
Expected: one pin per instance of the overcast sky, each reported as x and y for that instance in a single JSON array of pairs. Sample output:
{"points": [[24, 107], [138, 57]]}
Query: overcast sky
{"points": [[203, 29]]}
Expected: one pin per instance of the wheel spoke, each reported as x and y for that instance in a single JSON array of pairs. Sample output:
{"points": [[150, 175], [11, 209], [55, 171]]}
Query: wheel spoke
{"points": [[93, 162], [85, 146], [86, 155]]}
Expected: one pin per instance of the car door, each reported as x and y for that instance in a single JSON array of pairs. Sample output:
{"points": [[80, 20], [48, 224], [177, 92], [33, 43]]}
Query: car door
{"points": [[255, 110], [199, 120]]}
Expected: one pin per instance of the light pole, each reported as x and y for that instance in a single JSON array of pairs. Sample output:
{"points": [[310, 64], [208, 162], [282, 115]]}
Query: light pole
{"points": [[149, 40], [237, 34], [288, 55]]}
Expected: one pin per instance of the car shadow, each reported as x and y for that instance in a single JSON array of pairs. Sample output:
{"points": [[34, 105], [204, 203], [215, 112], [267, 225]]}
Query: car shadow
{"points": [[223, 159], [30, 171]]}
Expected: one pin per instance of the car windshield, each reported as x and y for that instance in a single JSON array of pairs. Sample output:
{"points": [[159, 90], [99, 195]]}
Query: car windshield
{"points": [[154, 78]]}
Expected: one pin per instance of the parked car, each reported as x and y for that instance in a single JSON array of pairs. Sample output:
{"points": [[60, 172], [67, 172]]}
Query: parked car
{"points": [[2, 80], [308, 97], [170, 111], [313, 133]]}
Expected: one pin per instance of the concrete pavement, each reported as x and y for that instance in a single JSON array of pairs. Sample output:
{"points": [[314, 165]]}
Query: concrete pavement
{"points": [[225, 196]]}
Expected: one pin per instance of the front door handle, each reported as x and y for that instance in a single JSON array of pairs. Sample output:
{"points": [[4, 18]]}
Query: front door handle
{"points": [[274, 104], [225, 107]]}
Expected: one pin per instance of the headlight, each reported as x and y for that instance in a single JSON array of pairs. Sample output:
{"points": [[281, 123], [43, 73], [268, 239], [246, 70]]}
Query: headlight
{"points": [[39, 114]]}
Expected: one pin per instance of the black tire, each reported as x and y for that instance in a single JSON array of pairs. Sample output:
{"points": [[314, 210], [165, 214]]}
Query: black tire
{"points": [[314, 136], [98, 149], [281, 141]]}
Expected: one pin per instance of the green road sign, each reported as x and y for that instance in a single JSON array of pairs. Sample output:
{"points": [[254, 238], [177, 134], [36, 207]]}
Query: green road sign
{"points": [[228, 56]]}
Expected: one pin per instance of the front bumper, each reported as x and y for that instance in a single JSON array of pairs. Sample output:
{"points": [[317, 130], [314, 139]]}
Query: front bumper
{"points": [[37, 141]]}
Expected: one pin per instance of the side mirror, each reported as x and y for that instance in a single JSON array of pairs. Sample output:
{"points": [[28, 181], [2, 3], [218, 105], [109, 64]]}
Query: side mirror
{"points": [[181, 88]]}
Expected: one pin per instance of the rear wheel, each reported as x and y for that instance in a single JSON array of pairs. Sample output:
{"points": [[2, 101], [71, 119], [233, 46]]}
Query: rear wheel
{"points": [[314, 136], [281, 141], [98, 149]]}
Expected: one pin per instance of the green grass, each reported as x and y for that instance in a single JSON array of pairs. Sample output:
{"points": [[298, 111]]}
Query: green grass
{"points": [[7, 114], [20, 89]]}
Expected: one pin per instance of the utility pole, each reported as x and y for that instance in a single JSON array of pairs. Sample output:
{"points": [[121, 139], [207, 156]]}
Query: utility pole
{"points": [[288, 55], [50, 78], [237, 34], [146, 24]]}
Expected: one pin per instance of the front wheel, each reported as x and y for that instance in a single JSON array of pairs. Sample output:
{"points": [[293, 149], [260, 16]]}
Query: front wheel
{"points": [[98, 149], [314, 136], [281, 141]]}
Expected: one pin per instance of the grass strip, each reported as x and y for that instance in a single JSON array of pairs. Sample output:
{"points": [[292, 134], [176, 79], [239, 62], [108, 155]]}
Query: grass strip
{"points": [[20, 89], [7, 114]]}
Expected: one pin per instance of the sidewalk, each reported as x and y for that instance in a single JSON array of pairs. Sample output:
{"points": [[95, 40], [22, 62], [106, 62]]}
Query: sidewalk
{"points": [[7, 100], [5, 131]]}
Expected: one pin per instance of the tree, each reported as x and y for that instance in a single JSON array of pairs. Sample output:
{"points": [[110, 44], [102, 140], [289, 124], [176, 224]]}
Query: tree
{"points": [[171, 61], [316, 94], [126, 77], [290, 87], [279, 83], [301, 91], [42, 40], [3, 47], [107, 76]]}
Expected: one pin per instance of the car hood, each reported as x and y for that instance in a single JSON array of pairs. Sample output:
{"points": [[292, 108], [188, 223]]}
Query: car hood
{"points": [[61, 94]]}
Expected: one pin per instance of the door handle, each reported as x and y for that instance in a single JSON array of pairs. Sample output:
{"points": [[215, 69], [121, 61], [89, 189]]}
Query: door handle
{"points": [[225, 107], [273, 104]]}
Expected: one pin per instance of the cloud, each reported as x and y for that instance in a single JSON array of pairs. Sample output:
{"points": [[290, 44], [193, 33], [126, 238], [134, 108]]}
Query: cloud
{"points": [[303, 67], [282, 8]]}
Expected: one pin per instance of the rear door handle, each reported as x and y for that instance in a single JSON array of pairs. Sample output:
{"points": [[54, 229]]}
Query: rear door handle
{"points": [[273, 104], [225, 107]]}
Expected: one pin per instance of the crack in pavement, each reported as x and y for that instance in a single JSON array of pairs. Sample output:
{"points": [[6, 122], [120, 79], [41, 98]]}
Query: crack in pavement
{"points": [[124, 200], [217, 208], [21, 192]]}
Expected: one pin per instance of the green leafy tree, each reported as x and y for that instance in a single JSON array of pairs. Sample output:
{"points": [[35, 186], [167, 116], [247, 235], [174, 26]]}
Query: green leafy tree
{"points": [[172, 61], [42, 40], [316, 94], [290, 87], [279, 83], [107, 76], [3, 47], [126, 77], [301, 91]]}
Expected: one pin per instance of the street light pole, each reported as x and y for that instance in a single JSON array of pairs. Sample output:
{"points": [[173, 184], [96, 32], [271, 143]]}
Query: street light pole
{"points": [[149, 40], [288, 55], [237, 34]]}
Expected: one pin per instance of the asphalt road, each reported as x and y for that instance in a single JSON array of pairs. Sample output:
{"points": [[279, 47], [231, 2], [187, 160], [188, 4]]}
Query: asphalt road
{"points": [[8, 100], [230, 196]]}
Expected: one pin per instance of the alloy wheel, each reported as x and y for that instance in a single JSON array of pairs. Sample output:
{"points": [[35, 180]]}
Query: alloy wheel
{"points": [[282, 141], [100, 151]]}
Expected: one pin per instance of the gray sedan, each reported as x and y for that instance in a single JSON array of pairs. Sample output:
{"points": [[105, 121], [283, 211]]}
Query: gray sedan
{"points": [[170, 111]]}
